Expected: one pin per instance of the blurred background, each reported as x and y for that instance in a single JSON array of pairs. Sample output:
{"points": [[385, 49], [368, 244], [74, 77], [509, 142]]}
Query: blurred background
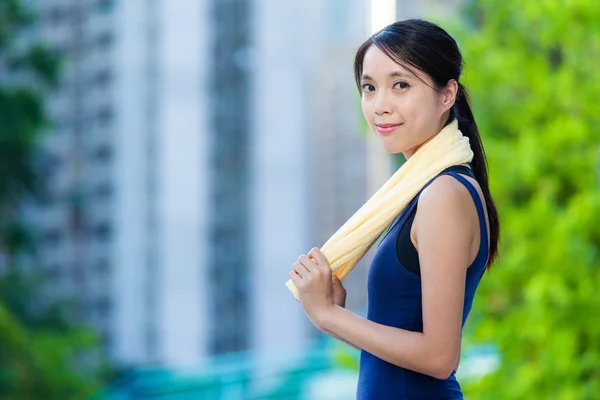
{"points": [[162, 165]]}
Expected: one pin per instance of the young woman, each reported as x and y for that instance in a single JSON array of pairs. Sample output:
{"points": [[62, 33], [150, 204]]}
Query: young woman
{"points": [[426, 269]]}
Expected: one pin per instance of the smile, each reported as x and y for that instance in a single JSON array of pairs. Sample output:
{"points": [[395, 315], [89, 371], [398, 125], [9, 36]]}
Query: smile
{"points": [[386, 129]]}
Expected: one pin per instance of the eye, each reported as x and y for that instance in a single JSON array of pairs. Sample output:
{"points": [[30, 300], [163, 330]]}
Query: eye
{"points": [[400, 85], [367, 88]]}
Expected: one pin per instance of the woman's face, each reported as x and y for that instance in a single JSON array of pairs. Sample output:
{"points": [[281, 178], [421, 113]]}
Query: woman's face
{"points": [[401, 108]]}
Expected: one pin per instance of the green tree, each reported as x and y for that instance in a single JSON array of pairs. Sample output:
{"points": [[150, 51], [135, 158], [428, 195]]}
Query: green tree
{"points": [[42, 353], [534, 85], [26, 71]]}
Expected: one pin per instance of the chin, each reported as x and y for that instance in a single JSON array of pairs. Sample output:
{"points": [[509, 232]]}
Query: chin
{"points": [[394, 149], [391, 150]]}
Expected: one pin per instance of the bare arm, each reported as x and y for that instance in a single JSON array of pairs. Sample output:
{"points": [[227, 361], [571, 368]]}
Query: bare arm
{"points": [[341, 339], [447, 221], [339, 298]]}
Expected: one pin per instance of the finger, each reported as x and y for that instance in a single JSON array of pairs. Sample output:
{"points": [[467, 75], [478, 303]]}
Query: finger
{"points": [[300, 270], [320, 260], [306, 269], [336, 281], [318, 256], [337, 284], [296, 279], [307, 263]]}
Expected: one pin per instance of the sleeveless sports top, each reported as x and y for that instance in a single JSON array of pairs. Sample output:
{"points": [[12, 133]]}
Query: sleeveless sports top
{"points": [[394, 299]]}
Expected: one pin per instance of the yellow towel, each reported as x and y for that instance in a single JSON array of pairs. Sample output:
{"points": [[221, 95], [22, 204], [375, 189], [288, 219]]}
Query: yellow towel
{"points": [[352, 241]]}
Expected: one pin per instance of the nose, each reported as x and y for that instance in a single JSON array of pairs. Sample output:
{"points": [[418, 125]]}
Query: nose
{"points": [[382, 103]]}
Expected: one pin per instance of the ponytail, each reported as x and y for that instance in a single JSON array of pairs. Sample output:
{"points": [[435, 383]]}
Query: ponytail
{"points": [[467, 125]]}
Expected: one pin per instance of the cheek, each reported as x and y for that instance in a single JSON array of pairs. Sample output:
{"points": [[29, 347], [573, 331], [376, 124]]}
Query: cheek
{"points": [[420, 109], [367, 109]]}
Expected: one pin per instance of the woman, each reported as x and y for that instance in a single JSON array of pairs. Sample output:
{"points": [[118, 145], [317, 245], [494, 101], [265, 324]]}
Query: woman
{"points": [[426, 269]]}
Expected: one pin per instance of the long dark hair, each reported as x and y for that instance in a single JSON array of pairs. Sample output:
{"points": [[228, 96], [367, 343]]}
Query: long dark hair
{"points": [[422, 45]]}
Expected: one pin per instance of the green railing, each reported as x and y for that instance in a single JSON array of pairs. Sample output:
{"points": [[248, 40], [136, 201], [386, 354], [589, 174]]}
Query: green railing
{"points": [[242, 376], [326, 370]]}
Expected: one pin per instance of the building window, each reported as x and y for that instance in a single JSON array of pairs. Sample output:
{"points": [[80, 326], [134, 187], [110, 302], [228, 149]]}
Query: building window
{"points": [[52, 237], [52, 164], [54, 273], [103, 190], [105, 115], [61, 123], [106, 340], [105, 6], [78, 275], [103, 307], [104, 41], [102, 78], [102, 154], [57, 15], [103, 231], [103, 267]]}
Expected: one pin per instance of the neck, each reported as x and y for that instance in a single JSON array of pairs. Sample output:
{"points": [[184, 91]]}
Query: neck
{"points": [[408, 154]]}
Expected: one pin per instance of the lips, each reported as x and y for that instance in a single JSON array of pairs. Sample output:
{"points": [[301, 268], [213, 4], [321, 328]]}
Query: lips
{"points": [[386, 129]]}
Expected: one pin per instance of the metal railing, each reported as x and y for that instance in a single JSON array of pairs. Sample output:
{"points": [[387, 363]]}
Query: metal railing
{"points": [[240, 376]]}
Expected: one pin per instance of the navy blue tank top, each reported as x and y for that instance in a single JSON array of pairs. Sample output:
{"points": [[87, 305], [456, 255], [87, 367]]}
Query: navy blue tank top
{"points": [[394, 299]]}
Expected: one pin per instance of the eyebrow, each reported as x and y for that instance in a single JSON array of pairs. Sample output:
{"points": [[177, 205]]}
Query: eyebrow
{"points": [[395, 74]]}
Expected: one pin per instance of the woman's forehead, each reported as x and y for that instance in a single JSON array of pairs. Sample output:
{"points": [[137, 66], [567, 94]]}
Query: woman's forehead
{"points": [[377, 64]]}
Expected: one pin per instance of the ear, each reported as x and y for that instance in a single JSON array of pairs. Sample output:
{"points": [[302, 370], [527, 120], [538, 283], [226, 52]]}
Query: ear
{"points": [[449, 94]]}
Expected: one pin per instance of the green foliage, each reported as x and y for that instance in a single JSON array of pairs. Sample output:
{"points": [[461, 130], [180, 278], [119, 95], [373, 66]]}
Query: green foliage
{"points": [[41, 360], [344, 356], [28, 71], [42, 354], [534, 87]]}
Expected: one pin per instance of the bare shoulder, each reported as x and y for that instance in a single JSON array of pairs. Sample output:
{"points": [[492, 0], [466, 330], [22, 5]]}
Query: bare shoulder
{"points": [[445, 213], [446, 195]]}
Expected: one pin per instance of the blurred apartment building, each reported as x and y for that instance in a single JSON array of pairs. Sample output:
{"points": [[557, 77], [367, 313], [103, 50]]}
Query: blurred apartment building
{"points": [[200, 147], [126, 197]]}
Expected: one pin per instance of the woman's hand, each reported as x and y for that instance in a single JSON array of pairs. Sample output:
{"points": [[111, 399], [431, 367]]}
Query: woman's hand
{"points": [[339, 292], [313, 279]]}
